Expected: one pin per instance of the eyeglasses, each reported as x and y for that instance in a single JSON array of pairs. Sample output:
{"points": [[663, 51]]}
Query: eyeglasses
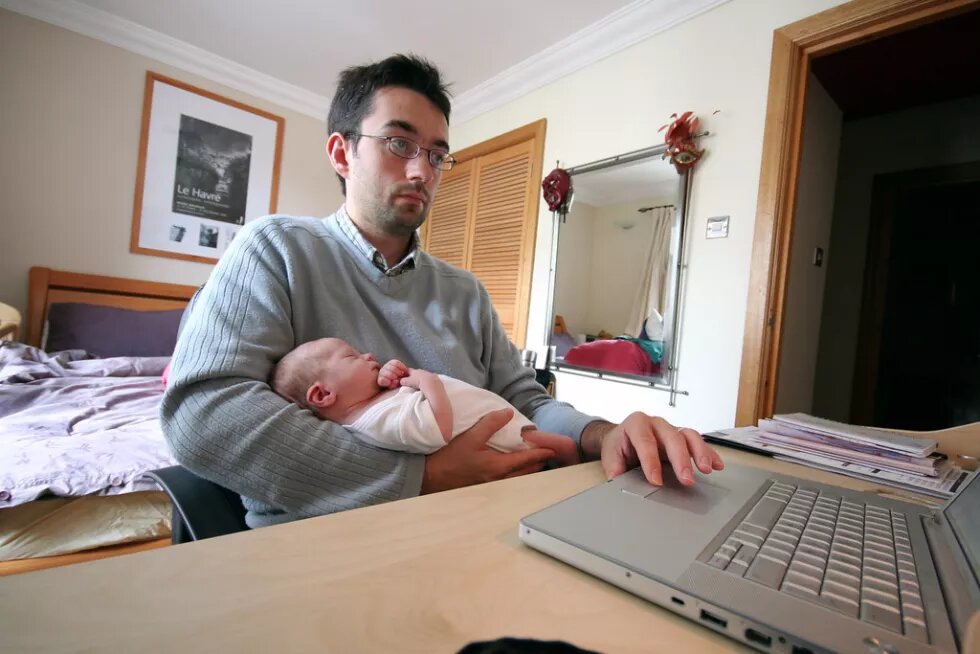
{"points": [[406, 149]]}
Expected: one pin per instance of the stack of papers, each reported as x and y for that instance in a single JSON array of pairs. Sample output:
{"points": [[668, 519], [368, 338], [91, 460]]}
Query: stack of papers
{"points": [[885, 457]]}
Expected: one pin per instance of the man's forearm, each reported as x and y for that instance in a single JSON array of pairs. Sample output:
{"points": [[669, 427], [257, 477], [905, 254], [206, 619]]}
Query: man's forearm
{"points": [[590, 443]]}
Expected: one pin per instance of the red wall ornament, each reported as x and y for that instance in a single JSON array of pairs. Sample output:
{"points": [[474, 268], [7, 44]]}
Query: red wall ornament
{"points": [[557, 190], [681, 150]]}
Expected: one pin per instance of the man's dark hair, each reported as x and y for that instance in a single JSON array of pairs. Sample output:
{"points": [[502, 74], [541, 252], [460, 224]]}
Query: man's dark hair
{"points": [[357, 85]]}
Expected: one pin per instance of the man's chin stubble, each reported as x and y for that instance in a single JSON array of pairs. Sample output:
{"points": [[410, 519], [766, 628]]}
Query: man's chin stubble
{"points": [[399, 226]]}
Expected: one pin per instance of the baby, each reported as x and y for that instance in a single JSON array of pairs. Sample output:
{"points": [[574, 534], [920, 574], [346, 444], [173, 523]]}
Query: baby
{"points": [[398, 407]]}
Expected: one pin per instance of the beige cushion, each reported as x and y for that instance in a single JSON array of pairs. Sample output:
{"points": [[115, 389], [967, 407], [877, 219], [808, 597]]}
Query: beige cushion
{"points": [[8, 316]]}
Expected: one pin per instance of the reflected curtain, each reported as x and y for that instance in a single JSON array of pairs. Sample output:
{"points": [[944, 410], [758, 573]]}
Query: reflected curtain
{"points": [[652, 292]]}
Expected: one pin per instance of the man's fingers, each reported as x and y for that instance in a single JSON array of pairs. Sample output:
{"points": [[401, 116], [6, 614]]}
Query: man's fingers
{"points": [[487, 426], [640, 434], [716, 461], [700, 451], [514, 461], [675, 446]]}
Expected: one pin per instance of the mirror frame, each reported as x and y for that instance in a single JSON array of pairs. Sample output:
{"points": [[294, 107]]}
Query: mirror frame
{"points": [[667, 381]]}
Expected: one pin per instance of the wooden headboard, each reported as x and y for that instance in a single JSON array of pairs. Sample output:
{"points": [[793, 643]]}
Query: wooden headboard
{"points": [[48, 286]]}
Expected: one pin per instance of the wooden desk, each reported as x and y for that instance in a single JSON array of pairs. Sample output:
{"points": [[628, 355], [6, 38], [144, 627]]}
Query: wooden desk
{"points": [[428, 574]]}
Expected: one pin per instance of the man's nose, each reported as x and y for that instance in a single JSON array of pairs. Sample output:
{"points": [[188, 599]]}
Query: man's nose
{"points": [[420, 169]]}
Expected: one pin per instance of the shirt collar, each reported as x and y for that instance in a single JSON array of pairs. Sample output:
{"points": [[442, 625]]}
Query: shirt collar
{"points": [[349, 229]]}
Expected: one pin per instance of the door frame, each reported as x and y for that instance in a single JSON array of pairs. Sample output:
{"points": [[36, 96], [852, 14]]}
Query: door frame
{"points": [[794, 47]]}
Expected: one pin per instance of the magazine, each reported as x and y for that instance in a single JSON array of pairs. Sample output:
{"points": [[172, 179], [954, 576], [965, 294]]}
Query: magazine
{"points": [[886, 440], [773, 432], [948, 478]]}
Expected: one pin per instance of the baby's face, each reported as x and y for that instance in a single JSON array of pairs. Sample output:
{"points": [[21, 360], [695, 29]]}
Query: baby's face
{"points": [[353, 374]]}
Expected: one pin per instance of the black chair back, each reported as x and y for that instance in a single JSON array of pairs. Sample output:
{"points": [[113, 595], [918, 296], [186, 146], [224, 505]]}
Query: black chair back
{"points": [[201, 508]]}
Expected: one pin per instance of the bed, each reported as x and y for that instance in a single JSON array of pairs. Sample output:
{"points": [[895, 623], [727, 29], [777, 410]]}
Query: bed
{"points": [[78, 420], [632, 356]]}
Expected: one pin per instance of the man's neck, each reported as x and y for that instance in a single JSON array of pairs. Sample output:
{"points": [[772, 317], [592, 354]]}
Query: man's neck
{"points": [[392, 248]]}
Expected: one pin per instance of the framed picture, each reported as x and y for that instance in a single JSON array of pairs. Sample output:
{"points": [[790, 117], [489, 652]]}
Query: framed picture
{"points": [[207, 165]]}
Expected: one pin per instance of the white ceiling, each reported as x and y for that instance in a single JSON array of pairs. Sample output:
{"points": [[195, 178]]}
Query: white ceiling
{"points": [[291, 51], [308, 42]]}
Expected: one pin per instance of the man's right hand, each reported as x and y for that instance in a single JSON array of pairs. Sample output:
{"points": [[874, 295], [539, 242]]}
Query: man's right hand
{"points": [[466, 460]]}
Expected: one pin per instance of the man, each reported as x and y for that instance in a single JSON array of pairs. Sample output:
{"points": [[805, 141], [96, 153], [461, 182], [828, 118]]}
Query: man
{"points": [[359, 275]]}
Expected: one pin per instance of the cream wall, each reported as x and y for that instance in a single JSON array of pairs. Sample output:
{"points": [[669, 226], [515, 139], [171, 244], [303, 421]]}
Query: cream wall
{"points": [[923, 137], [811, 229], [71, 108], [718, 60]]}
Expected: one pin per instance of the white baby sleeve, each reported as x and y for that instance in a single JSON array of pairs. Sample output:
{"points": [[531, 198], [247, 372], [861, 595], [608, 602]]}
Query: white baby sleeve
{"points": [[404, 422]]}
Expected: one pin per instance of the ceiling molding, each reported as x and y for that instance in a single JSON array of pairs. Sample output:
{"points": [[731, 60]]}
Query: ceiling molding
{"points": [[629, 25], [135, 38], [617, 31]]}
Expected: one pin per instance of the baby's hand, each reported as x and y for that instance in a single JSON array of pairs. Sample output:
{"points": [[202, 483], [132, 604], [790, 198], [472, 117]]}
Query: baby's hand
{"points": [[415, 377], [392, 373]]}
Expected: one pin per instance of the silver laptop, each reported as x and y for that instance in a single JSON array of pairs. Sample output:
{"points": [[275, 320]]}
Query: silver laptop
{"points": [[779, 563]]}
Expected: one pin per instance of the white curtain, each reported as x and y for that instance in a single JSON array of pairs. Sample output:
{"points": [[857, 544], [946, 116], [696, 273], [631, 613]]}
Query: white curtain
{"points": [[652, 293]]}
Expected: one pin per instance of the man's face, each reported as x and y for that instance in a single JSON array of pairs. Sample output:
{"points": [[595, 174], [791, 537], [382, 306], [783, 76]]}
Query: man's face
{"points": [[392, 193]]}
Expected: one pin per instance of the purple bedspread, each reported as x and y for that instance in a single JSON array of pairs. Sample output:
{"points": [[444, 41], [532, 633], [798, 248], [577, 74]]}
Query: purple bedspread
{"points": [[71, 424]]}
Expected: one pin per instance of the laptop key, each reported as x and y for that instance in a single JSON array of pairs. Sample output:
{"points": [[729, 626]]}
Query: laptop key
{"points": [[766, 570], [915, 629], [719, 560], [877, 613], [724, 555], [745, 555], [765, 513], [737, 568], [840, 602]]}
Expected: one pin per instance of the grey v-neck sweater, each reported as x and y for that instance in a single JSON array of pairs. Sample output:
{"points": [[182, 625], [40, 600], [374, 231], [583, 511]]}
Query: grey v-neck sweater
{"points": [[285, 281]]}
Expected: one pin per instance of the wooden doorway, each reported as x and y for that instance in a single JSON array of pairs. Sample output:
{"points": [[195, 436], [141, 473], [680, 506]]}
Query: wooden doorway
{"points": [[794, 48]]}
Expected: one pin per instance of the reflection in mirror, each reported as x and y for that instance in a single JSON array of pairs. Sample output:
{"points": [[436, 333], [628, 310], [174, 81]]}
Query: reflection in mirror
{"points": [[615, 270]]}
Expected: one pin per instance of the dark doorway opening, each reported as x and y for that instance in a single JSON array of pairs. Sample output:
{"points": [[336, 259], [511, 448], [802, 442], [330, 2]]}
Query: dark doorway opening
{"points": [[918, 360]]}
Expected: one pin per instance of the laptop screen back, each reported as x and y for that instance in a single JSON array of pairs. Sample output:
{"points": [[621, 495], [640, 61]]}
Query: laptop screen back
{"points": [[961, 514]]}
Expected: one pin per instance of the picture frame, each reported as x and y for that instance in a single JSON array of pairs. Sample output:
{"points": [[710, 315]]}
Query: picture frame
{"points": [[207, 165]]}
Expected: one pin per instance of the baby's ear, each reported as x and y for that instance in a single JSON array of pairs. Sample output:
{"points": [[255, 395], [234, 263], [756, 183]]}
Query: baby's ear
{"points": [[320, 396]]}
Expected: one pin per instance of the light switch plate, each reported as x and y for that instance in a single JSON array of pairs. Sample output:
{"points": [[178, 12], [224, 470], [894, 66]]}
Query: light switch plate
{"points": [[717, 227]]}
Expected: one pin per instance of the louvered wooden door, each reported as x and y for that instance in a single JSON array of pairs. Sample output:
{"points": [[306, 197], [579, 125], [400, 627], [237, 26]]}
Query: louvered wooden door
{"points": [[445, 232], [484, 220], [500, 252]]}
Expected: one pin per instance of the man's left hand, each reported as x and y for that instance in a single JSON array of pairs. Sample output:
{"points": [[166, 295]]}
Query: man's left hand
{"points": [[647, 441]]}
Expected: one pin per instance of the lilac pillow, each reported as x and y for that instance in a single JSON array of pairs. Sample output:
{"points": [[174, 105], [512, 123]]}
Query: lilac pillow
{"points": [[563, 342], [111, 331]]}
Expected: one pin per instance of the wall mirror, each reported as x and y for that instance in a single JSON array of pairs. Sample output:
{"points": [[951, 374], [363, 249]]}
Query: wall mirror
{"points": [[615, 275]]}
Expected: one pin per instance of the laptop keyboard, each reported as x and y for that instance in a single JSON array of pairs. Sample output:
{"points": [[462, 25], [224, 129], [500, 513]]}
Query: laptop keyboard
{"points": [[851, 557]]}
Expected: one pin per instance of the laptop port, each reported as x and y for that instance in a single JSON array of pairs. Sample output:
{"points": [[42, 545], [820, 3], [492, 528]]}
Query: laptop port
{"points": [[677, 600], [797, 649], [754, 636], [713, 619]]}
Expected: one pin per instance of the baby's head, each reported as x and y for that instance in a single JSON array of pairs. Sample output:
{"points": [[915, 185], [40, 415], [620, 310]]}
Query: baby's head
{"points": [[326, 376]]}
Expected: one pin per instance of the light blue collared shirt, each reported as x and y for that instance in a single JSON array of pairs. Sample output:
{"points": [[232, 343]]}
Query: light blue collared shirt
{"points": [[349, 229]]}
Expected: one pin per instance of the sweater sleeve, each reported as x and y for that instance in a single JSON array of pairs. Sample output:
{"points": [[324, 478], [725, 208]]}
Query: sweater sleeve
{"points": [[516, 383], [223, 421]]}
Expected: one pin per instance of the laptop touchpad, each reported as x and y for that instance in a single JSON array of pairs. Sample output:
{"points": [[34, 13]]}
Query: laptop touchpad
{"points": [[699, 498]]}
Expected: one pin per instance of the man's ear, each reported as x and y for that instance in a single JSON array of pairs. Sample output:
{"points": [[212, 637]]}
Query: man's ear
{"points": [[339, 152], [319, 396]]}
